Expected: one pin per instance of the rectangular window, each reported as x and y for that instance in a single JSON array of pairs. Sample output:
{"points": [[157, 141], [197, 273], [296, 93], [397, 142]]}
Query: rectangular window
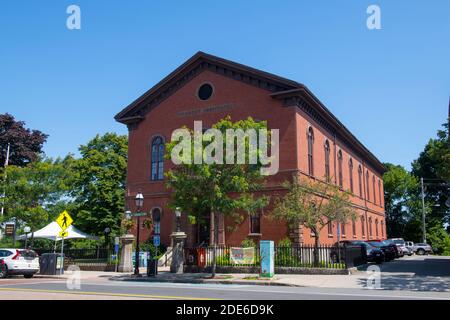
{"points": [[255, 223], [354, 228]]}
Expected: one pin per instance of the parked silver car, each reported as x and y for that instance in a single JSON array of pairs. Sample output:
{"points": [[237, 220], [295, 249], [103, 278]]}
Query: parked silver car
{"points": [[422, 248]]}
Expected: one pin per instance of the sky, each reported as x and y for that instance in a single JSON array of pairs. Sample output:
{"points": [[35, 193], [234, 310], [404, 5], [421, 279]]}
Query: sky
{"points": [[390, 87]]}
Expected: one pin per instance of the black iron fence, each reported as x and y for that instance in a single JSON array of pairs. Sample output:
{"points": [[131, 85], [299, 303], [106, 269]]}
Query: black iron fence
{"points": [[301, 256], [85, 257]]}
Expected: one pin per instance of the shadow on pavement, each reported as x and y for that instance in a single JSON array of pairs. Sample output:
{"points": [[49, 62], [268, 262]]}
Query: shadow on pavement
{"points": [[404, 282]]}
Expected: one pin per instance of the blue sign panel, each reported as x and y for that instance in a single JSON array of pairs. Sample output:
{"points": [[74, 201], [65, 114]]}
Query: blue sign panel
{"points": [[156, 241], [116, 248], [267, 250]]}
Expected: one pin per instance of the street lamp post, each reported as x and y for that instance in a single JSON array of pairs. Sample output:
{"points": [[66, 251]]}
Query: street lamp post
{"points": [[178, 215], [139, 201], [27, 231]]}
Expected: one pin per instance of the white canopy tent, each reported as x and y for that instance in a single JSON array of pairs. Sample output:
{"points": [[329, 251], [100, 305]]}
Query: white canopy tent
{"points": [[52, 231]]}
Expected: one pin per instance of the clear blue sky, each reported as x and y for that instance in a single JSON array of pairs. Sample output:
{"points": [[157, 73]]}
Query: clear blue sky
{"points": [[390, 87]]}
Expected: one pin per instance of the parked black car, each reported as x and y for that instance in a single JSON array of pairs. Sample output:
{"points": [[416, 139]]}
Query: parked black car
{"points": [[374, 254], [336, 253], [388, 250]]}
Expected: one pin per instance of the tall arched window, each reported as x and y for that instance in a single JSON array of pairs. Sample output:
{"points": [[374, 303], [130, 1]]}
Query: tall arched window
{"points": [[376, 227], [382, 228], [363, 228], [374, 190], [360, 181], [327, 161], [156, 216], [310, 151], [354, 227], [157, 159], [330, 228], [370, 227], [368, 185], [341, 179], [350, 170], [379, 193]]}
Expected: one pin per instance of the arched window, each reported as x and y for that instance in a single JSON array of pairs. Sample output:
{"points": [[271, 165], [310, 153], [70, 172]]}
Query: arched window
{"points": [[330, 227], [382, 228], [368, 187], [354, 227], [157, 159], [350, 170], [310, 151], [376, 227], [327, 161], [363, 228], [343, 229], [374, 190], [156, 216], [341, 180], [370, 227], [360, 181], [379, 192]]}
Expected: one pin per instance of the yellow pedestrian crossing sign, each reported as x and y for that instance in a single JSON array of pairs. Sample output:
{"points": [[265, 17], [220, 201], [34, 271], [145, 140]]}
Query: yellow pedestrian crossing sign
{"points": [[64, 220], [63, 234]]}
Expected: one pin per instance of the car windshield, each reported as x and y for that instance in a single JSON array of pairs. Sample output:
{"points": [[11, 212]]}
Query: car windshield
{"points": [[399, 242], [386, 242]]}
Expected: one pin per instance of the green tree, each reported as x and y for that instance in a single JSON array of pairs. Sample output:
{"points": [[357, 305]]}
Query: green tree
{"points": [[313, 204], [403, 205], [36, 191], [217, 189], [99, 183], [433, 165]]}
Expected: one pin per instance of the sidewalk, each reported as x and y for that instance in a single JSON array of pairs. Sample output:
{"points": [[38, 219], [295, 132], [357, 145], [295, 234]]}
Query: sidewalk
{"points": [[321, 281]]}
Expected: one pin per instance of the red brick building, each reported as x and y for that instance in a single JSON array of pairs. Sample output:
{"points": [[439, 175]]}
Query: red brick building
{"points": [[313, 143]]}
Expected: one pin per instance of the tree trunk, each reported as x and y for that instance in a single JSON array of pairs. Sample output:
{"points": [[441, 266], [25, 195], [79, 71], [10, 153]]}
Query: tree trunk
{"points": [[316, 248], [215, 233]]}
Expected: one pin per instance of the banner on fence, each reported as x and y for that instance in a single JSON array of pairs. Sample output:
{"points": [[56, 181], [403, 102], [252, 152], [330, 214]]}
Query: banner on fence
{"points": [[242, 255]]}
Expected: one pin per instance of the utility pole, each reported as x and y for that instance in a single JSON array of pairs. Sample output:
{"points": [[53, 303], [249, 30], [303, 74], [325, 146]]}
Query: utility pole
{"points": [[424, 230], [4, 182]]}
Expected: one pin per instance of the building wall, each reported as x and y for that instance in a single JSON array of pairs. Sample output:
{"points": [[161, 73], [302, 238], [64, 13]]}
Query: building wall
{"points": [[245, 100]]}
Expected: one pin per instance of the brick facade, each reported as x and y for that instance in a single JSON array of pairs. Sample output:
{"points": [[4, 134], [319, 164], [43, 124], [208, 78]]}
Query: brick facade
{"points": [[240, 91]]}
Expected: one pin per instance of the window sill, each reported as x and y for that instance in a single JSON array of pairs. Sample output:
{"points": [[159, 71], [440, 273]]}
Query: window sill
{"points": [[254, 235], [330, 236]]}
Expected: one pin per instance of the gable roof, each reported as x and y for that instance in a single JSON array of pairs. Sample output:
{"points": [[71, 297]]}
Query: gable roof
{"points": [[289, 91]]}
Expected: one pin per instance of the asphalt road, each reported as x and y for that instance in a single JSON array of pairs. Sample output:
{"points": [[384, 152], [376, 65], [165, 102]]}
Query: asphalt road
{"points": [[428, 276]]}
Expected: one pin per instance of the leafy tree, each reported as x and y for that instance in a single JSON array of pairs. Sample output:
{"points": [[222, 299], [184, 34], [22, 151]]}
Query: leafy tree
{"points": [[403, 205], [439, 239], [433, 165], [36, 192], [25, 144], [99, 183], [217, 189], [313, 204]]}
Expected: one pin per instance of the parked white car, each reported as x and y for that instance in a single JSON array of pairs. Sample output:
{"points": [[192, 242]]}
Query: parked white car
{"points": [[18, 262], [402, 245]]}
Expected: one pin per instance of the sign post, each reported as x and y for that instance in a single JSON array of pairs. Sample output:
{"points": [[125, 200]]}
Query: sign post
{"points": [[116, 252], [64, 221]]}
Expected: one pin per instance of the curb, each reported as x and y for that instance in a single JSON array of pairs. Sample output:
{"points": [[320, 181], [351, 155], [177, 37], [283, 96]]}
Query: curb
{"points": [[205, 281]]}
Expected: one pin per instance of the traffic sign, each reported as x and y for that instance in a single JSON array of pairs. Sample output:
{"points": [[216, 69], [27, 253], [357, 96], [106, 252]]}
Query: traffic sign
{"points": [[156, 241], [63, 234], [64, 220]]}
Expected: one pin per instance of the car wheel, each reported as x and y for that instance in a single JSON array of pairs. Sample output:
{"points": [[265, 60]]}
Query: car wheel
{"points": [[421, 252], [28, 276], [4, 273]]}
